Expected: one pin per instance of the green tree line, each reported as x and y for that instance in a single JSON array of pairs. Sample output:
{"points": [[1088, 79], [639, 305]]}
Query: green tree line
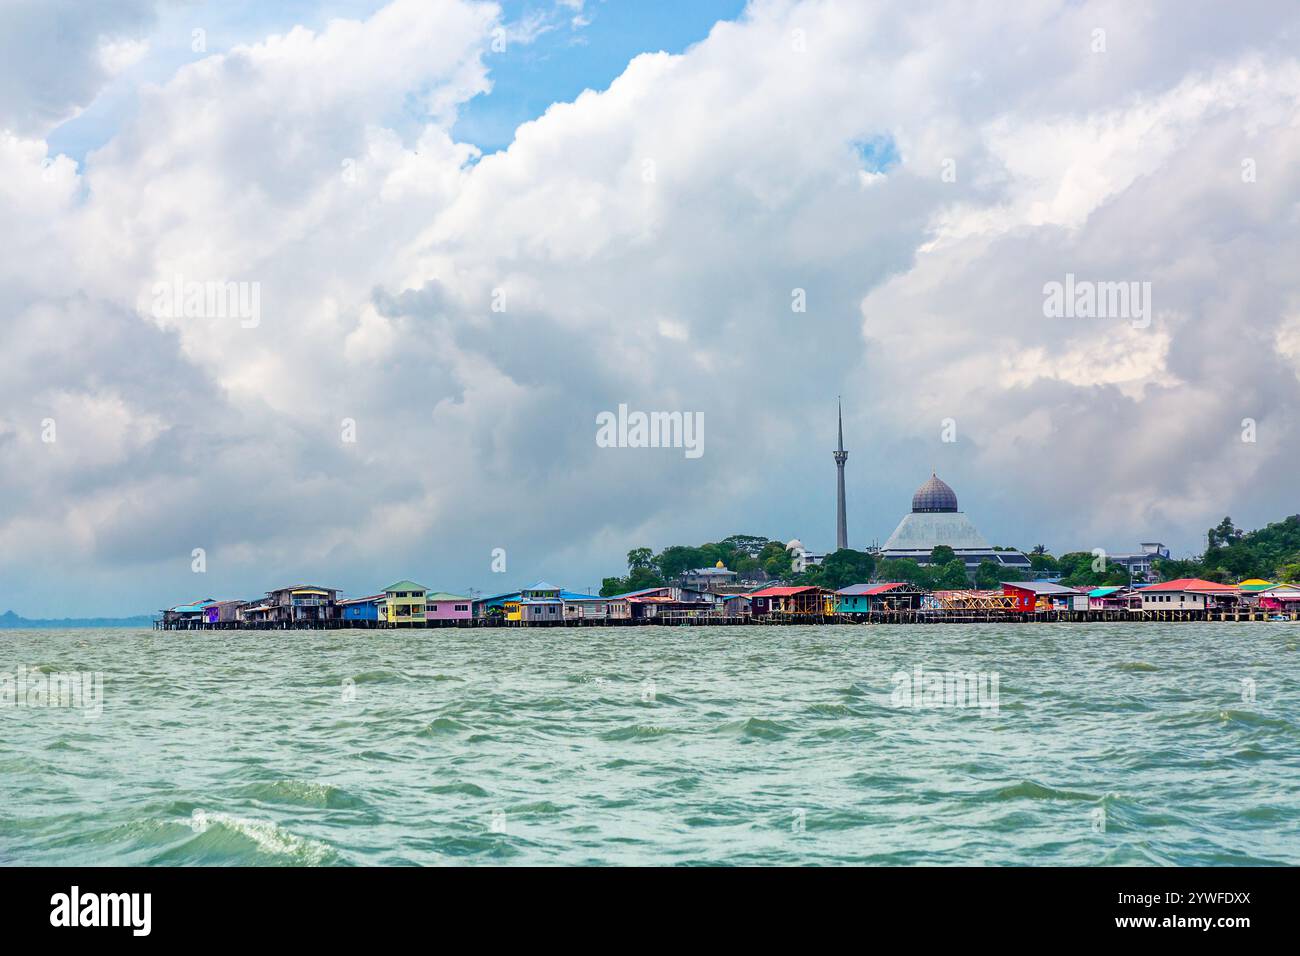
{"points": [[1272, 553]]}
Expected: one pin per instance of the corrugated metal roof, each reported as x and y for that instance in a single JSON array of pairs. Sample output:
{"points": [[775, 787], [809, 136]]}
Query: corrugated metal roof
{"points": [[855, 590], [629, 594], [193, 608], [782, 591], [445, 596], [364, 600], [1041, 587], [1193, 584]]}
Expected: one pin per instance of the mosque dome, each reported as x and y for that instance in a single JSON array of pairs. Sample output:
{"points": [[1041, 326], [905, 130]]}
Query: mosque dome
{"points": [[720, 565], [934, 495]]}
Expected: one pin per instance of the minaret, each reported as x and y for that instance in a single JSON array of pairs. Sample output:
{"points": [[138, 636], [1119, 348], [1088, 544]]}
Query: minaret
{"points": [[841, 521]]}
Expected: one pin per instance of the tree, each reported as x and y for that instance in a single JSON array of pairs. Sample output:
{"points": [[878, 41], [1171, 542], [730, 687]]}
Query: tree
{"points": [[1039, 549], [674, 560], [953, 575], [846, 567], [775, 559], [988, 576], [639, 558], [1223, 534], [751, 545], [905, 570], [1289, 573], [1041, 563], [941, 555]]}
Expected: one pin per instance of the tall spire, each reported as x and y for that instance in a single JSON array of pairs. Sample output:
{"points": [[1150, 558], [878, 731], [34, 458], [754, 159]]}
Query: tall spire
{"points": [[841, 456]]}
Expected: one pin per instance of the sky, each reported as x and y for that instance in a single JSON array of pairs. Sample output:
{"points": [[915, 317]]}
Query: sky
{"points": [[455, 234]]}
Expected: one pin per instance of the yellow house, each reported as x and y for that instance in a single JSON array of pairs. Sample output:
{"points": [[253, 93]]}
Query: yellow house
{"points": [[404, 603]]}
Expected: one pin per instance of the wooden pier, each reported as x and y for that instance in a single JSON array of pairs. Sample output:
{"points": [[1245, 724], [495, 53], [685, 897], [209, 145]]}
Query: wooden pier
{"points": [[924, 616]]}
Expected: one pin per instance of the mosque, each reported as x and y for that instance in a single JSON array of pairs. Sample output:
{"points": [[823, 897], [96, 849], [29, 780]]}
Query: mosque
{"points": [[936, 520]]}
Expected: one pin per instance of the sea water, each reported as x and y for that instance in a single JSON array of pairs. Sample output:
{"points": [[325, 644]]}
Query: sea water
{"points": [[1094, 744]]}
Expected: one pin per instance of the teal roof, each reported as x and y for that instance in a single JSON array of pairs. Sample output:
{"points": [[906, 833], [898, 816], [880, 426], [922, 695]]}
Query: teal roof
{"points": [[543, 586], [444, 596], [1103, 592], [193, 608]]}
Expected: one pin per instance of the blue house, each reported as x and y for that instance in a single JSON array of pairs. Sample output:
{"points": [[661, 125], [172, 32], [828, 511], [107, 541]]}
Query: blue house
{"points": [[361, 609]]}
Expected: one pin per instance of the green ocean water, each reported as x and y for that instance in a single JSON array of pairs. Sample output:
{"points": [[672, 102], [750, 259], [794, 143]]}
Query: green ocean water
{"points": [[1111, 744]]}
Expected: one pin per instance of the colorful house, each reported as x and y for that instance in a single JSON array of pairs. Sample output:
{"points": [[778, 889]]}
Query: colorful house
{"points": [[504, 606], [361, 608], [223, 612], [405, 603], [1279, 597], [193, 613], [1043, 596], [1114, 597], [889, 596], [804, 601], [1188, 594], [441, 606]]}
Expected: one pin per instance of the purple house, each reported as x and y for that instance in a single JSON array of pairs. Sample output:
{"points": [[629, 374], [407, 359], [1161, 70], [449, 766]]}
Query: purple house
{"points": [[223, 612], [441, 606]]}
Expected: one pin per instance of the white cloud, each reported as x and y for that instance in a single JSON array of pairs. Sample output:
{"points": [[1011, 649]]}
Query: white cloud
{"points": [[643, 244]]}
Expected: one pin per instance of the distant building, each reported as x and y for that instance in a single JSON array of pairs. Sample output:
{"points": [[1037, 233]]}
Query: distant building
{"points": [[1044, 596], [405, 602], [223, 612], [935, 521], [579, 606], [886, 596], [298, 604], [361, 608], [1188, 594], [801, 559], [541, 604], [187, 613], [708, 579], [805, 601], [441, 606], [1143, 562]]}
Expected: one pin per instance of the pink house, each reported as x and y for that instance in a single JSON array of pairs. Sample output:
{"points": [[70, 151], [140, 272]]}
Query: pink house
{"points": [[441, 606]]}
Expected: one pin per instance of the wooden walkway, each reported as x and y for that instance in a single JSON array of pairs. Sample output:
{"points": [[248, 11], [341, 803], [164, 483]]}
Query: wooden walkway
{"points": [[950, 616]]}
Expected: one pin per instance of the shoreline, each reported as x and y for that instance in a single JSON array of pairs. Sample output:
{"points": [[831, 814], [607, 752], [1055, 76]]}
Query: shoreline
{"points": [[769, 620]]}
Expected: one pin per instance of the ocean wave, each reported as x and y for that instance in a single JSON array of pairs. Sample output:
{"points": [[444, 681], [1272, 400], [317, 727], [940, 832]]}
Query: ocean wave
{"points": [[245, 841], [302, 793], [1033, 790]]}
